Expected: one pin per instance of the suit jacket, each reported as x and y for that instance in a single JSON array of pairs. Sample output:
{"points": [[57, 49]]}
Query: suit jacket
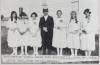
{"points": [[46, 36], [49, 23]]}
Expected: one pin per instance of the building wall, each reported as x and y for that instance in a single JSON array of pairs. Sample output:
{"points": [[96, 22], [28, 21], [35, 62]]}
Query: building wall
{"points": [[36, 5]]}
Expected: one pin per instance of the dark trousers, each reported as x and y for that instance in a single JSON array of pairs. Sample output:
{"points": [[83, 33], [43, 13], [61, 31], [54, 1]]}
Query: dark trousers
{"points": [[46, 41]]}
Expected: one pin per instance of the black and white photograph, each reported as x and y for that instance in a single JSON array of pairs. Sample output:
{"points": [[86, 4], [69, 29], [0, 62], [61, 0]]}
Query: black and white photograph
{"points": [[49, 32]]}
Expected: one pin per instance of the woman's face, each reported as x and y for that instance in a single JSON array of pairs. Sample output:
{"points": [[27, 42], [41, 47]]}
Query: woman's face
{"points": [[33, 16], [87, 14], [73, 15], [14, 15], [59, 13]]}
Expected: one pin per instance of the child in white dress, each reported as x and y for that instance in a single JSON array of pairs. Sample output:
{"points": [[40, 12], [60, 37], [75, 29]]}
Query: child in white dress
{"points": [[59, 37], [88, 33], [73, 41], [35, 41], [13, 34], [24, 35]]}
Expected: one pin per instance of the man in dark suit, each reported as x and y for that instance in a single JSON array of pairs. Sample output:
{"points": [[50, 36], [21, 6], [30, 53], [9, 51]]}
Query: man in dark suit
{"points": [[46, 25]]}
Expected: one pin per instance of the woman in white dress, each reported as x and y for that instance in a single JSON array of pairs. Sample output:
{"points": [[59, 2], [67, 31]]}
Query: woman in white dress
{"points": [[88, 33], [13, 34], [73, 41], [59, 37], [24, 35], [35, 41]]}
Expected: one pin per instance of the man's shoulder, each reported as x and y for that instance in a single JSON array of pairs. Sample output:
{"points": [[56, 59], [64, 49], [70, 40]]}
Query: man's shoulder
{"points": [[41, 17], [50, 17]]}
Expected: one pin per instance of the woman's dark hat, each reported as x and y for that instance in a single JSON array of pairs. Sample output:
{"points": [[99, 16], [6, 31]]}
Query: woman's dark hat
{"points": [[87, 11], [45, 10]]}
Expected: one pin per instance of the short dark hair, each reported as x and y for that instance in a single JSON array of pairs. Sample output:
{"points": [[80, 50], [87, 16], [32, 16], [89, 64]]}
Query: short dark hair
{"points": [[13, 12], [34, 13], [87, 11], [59, 11]]}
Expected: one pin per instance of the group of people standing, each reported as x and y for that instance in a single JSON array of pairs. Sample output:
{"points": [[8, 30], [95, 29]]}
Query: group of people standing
{"points": [[48, 32]]}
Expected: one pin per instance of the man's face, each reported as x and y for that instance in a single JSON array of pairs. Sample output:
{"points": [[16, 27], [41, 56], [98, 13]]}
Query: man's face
{"points": [[45, 13]]}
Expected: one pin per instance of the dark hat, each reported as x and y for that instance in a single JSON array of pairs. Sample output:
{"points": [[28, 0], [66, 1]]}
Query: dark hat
{"points": [[87, 11], [45, 10]]}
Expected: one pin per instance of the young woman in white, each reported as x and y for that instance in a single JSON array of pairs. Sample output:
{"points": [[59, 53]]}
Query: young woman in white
{"points": [[24, 35], [88, 33], [59, 37], [73, 41], [13, 34], [35, 41]]}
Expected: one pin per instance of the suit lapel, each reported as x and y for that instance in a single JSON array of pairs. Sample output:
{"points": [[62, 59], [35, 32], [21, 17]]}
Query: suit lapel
{"points": [[43, 18]]}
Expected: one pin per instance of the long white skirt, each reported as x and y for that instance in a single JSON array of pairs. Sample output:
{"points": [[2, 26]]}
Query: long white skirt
{"points": [[36, 40], [59, 38], [25, 39], [88, 42], [73, 41], [13, 38]]}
